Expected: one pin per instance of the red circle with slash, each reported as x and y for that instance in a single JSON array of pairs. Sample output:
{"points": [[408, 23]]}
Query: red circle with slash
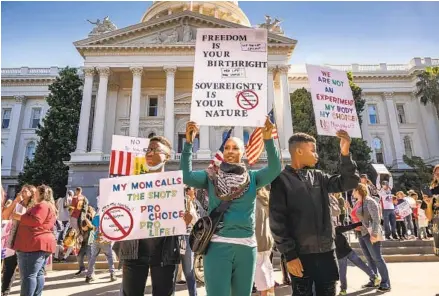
{"points": [[122, 223], [247, 99]]}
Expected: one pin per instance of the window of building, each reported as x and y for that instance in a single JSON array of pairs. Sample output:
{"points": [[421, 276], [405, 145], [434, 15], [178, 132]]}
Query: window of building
{"points": [[35, 117], [408, 147], [373, 114], [246, 137], [377, 146], [30, 151], [6, 117], [182, 140], [401, 113], [151, 135], [153, 106]]}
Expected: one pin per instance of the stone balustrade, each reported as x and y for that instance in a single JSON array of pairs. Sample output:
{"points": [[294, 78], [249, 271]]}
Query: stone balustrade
{"points": [[26, 71]]}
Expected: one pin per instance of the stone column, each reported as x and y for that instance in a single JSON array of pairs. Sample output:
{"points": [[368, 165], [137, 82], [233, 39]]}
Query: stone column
{"points": [[169, 109], [16, 122], [113, 91], [204, 151], [238, 132], [135, 101], [431, 127], [270, 88], [286, 109], [100, 108], [81, 145], [393, 122]]}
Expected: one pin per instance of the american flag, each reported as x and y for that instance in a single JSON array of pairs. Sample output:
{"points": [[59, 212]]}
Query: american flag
{"points": [[121, 163], [219, 157], [255, 144]]}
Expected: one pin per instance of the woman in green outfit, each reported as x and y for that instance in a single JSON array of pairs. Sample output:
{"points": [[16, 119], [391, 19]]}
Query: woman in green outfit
{"points": [[230, 261]]}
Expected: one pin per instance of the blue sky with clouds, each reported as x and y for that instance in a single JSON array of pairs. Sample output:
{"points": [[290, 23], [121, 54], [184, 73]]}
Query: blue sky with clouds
{"points": [[40, 34]]}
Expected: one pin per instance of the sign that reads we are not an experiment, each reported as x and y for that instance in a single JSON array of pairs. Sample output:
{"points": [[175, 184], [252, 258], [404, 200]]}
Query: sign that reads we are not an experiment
{"points": [[230, 77], [333, 103]]}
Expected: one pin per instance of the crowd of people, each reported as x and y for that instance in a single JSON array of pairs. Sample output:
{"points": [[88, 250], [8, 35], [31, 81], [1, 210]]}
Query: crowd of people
{"points": [[301, 212]]}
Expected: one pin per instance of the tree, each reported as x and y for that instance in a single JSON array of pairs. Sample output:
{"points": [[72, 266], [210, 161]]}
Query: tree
{"points": [[57, 134], [420, 175], [329, 147], [428, 87]]}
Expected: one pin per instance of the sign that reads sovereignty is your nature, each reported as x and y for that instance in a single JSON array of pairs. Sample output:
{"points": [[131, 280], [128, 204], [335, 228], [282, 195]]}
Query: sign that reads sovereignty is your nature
{"points": [[230, 77], [334, 106], [142, 206]]}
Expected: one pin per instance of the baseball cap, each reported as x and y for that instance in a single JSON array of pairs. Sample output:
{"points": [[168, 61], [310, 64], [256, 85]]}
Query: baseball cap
{"points": [[385, 183]]}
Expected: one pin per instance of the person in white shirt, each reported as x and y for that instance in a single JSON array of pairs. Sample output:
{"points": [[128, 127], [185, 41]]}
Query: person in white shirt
{"points": [[386, 201], [62, 205]]}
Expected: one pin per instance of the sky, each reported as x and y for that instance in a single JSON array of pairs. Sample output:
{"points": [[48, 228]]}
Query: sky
{"points": [[41, 34]]}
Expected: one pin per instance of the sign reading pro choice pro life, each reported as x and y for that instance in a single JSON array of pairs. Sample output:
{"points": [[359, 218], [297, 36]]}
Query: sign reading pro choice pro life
{"points": [[230, 77], [334, 106]]}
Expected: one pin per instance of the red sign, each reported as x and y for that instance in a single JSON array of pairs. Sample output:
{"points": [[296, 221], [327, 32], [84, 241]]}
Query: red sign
{"points": [[117, 223], [247, 99]]}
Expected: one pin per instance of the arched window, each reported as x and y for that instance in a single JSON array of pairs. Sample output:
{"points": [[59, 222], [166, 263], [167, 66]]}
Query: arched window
{"points": [[151, 135], [30, 151], [377, 146], [246, 137], [408, 147]]}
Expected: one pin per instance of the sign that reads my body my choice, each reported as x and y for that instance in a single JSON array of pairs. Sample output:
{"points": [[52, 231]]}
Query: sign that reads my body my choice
{"points": [[143, 206], [230, 77], [334, 106]]}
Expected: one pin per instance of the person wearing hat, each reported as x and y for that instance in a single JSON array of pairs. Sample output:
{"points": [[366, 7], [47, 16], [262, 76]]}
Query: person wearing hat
{"points": [[62, 205], [386, 202]]}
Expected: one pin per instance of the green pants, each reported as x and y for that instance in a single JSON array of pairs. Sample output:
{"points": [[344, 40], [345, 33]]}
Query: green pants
{"points": [[229, 269]]}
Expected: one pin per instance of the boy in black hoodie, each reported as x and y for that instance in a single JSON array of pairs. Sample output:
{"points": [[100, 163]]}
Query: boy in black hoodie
{"points": [[344, 253]]}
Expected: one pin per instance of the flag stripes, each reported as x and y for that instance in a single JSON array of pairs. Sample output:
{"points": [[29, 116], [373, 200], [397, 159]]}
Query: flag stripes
{"points": [[121, 163]]}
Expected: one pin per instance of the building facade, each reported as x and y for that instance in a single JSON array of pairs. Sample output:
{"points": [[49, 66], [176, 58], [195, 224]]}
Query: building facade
{"points": [[138, 82]]}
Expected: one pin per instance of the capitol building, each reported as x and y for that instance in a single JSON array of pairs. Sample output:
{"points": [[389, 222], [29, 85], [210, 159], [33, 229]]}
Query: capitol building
{"points": [[138, 82]]}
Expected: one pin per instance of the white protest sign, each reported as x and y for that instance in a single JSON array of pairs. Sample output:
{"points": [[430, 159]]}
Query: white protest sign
{"points": [[142, 206], [127, 155], [6, 232], [230, 77], [380, 169], [403, 209], [334, 106]]}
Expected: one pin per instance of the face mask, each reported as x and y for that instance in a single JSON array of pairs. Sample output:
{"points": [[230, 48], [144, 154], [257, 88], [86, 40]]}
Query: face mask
{"points": [[156, 167]]}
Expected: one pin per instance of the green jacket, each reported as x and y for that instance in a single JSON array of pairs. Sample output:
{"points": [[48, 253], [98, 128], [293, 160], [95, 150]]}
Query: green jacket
{"points": [[239, 220]]}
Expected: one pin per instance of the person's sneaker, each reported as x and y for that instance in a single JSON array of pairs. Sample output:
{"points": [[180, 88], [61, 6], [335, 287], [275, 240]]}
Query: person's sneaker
{"points": [[377, 281], [383, 289], [113, 277], [370, 284], [181, 282], [79, 272], [342, 292], [89, 279]]}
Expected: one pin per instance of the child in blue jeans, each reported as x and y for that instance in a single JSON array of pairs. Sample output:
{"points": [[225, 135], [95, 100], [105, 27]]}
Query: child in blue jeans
{"points": [[344, 253]]}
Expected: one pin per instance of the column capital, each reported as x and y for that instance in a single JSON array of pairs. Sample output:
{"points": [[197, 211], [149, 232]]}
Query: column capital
{"points": [[170, 70], [271, 69], [104, 71], [20, 99], [89, 71], [283, 69], [113, 87], [137, 71], [388, 95]]}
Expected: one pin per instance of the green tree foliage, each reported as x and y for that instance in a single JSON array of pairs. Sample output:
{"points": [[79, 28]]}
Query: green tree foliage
{"points": [[57, 134], [329, 147], [428, 87], [421, 174]]}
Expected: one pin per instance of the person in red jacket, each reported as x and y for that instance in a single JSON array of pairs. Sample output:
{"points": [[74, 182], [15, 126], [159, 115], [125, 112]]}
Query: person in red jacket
{"points": [[35, 241]]}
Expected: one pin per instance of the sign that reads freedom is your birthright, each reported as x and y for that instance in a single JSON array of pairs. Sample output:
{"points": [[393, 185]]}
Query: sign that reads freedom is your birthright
{"points": [[230, 77], [334, 106], [142, 206]]}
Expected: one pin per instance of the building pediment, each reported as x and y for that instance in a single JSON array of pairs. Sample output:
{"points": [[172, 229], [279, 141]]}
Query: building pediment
{"points": [[176, 30]]}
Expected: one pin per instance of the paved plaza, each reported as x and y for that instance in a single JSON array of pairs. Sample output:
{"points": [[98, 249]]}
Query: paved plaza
{"points": [[408, 279]]}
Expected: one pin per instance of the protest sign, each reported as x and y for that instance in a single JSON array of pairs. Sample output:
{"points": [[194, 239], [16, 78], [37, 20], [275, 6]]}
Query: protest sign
{"points": [[6, 232], [143, 206], [403, 209], [230, 77], [380, 169], [127, 155], [334, 106]]}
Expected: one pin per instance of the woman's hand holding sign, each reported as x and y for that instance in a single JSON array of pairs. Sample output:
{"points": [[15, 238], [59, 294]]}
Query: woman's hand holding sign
{"points": [[192, 130], [345, 142]]}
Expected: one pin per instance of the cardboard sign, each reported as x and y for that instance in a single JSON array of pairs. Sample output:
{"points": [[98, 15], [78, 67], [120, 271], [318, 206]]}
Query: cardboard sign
{"points": [[230, 77], [380, 169], [144, 206], [403, 209], [6, 231], [334, 106], [128, 155]]}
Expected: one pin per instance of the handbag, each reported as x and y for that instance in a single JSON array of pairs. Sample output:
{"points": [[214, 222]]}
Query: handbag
{"points": [[205, 228]]}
